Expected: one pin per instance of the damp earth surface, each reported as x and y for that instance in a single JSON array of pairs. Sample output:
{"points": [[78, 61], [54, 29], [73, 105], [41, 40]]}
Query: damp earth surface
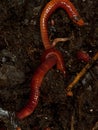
{"points": [[21, 49]]}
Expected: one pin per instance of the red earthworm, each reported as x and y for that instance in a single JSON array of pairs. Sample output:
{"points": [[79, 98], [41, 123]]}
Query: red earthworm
{"points": [[49, 9], [35, 85], [83, 56], [60, 61], [51, 57]]}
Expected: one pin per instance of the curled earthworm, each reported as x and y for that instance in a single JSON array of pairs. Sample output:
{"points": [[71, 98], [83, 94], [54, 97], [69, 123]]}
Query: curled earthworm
{"points": [[50, 58], [49, 9], [60, 60]]}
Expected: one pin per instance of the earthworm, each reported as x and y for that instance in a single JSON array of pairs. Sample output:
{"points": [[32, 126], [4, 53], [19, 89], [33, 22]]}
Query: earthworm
{"points": [[49, 9], [55, 41], [50, 58], [60, 61], [83, 56]]}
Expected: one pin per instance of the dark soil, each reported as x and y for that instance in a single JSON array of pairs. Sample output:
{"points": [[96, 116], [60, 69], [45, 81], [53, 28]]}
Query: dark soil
{"points": [[21, 48]]}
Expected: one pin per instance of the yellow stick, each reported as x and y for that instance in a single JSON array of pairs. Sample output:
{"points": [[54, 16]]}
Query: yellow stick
{"points": [[80, 75]]}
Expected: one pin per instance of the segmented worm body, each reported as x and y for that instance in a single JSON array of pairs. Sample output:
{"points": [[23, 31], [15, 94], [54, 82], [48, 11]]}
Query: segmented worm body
{"points": [[83, 56], [60, 60], [50, 58], [49, 9]]}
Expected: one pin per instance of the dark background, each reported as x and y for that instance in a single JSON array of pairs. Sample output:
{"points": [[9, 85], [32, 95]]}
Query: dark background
{"points": [[20, 50]]}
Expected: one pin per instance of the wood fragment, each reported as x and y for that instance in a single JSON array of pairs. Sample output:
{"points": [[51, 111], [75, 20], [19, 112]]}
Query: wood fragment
{"points": [[72, 122], [95, 126], [80, 75]]}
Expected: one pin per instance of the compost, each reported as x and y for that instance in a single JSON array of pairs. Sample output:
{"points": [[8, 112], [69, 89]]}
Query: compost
{"points": [[21, 54]]}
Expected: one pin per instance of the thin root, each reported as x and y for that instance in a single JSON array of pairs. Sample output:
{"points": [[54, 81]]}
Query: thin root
{"points": [[59, 40]]}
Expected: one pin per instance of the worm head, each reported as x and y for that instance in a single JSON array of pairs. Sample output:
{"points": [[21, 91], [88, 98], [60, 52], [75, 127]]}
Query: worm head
{"points": [[78, 20]]}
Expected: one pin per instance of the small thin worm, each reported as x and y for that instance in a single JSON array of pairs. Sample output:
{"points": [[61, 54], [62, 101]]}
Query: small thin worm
{"points": [[55, 41], [51, 58], [83, 56], [49, 9], [35, 85]]}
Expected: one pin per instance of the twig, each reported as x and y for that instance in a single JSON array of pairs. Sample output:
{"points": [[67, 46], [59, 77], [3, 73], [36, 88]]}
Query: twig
{"points": [[72, 122], [80, 75], [95, 126]]}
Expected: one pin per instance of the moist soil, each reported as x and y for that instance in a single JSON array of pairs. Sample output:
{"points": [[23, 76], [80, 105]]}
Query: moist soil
{"points": [[21, 49]]}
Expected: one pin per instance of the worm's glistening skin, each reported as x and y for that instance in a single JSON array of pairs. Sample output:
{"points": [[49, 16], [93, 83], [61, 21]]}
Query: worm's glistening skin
{"points": [[60, 60], [50, 58], [49, 9]]}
